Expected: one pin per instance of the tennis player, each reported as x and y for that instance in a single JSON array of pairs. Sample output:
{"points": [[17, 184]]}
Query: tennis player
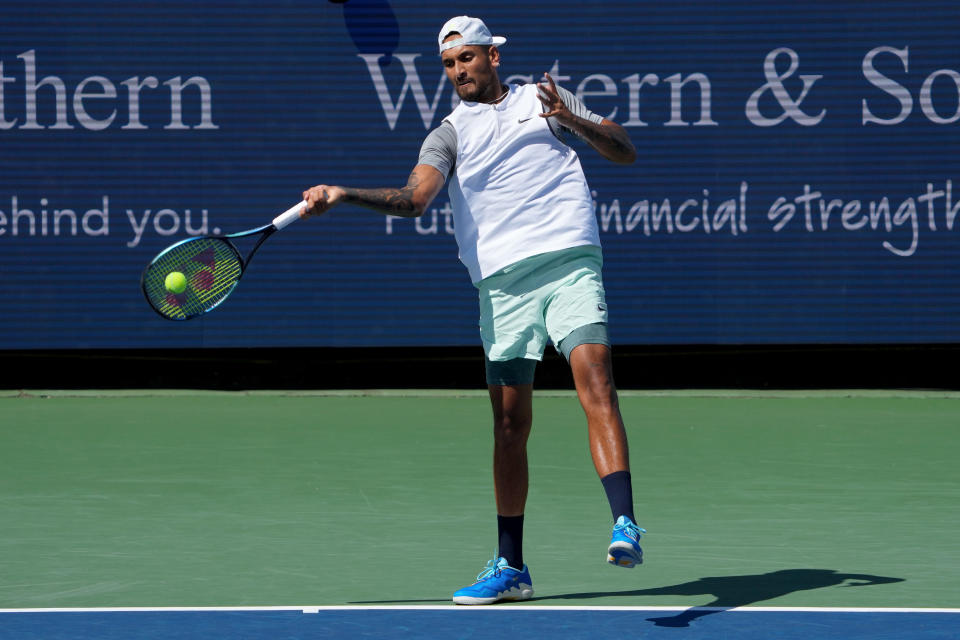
{"points": [[527, 233]]}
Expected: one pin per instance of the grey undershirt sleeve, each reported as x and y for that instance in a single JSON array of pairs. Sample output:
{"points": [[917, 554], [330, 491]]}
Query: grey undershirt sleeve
{"points": [[577, 108], [439, 149]]}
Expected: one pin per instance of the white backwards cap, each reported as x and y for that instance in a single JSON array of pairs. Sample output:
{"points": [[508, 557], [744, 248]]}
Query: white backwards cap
{"points": [[471, 30]]}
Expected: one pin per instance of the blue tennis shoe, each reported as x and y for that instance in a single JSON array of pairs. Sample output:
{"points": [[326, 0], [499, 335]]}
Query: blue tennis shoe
{"points": [[498, 581], [624, 549]]}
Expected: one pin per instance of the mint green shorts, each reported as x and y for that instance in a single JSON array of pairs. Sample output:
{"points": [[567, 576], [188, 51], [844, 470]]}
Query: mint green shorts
{"points": [[539, 299]]}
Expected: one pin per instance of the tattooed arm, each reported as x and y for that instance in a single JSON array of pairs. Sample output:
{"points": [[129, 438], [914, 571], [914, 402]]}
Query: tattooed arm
{"points": [[410, 201], [608, 138]]}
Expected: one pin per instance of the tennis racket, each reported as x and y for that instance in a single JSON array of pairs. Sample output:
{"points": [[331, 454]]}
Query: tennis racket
{"points": [[211, 265]]}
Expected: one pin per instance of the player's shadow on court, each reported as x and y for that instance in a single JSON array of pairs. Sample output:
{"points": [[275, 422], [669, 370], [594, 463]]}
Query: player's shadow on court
{"points": [[737, 591], [729, 592]]}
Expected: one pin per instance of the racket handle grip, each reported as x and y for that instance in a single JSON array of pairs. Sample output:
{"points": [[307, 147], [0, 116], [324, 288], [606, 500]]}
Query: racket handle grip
{"points": [[290, 215]]}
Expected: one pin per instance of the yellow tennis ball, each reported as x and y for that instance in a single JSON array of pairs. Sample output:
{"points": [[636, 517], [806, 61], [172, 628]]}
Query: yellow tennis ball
{"points": [[176, 282]]}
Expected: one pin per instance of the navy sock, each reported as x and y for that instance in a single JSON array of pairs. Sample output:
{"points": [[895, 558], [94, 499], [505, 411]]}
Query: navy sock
{"points": [[510, 534], [620, 494]]}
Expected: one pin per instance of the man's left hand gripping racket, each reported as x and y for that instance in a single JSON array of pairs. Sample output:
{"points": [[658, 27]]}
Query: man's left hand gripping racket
{"points": [[211, 266]]}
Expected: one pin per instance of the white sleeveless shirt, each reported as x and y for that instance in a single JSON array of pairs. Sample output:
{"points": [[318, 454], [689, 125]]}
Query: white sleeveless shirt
{"points": [[517, 190]]}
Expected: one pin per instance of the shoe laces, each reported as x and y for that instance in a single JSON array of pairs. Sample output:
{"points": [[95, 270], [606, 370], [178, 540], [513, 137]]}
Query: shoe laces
{"points": [[492, 568], [627, 525]]}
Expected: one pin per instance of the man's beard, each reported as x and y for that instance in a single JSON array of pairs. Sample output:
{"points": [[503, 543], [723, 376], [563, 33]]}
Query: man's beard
{"points": [[469, 91]]}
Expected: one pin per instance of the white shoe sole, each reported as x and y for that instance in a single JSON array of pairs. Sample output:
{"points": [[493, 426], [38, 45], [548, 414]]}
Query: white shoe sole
{"points": [[515, 594]]}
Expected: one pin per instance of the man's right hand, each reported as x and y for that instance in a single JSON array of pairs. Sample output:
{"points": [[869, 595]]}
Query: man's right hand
{"points": [[321, 199]]}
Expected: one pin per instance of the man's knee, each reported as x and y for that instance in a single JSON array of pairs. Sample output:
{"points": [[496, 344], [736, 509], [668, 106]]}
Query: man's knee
{"points": [[593, 376], [512, 414], [511, 428]]}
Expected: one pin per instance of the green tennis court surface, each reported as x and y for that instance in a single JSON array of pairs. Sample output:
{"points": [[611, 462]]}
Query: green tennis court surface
{"points": [[191, 499]]}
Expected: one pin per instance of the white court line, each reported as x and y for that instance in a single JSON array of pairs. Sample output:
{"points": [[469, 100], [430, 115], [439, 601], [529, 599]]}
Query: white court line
{"points": [[452, 607]]}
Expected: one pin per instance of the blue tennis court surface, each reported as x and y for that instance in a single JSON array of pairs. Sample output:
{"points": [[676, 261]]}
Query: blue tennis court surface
{"points": [[481, 623]]}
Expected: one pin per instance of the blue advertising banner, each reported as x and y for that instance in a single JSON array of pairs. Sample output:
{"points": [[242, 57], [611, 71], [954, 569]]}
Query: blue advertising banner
{"points": [[797, 181]]}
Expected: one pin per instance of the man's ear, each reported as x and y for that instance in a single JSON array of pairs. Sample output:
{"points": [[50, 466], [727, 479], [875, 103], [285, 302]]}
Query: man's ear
{"points": [[494, 55]]}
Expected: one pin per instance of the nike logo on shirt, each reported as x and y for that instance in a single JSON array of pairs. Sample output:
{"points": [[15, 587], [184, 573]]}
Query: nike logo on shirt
{"points": [[522, 120]]}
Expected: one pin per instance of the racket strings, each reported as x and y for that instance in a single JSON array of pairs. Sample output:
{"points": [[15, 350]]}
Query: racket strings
{"points": [[212, 268]]}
